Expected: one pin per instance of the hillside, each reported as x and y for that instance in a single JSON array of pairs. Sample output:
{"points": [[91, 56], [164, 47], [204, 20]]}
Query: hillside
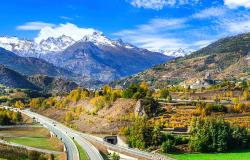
{"points": [[227, 58], [52, 85], [13, 79], [43, 83], [30, 66]]}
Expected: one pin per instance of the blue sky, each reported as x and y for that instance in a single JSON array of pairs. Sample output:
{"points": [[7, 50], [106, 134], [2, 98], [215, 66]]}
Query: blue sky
{"points": [[151, 24]]}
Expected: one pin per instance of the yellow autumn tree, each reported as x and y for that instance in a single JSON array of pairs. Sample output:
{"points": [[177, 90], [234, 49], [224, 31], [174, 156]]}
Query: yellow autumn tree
{"points": [[106, 90], [245, 95], [19, 104], [144, 86], [69, 117]]}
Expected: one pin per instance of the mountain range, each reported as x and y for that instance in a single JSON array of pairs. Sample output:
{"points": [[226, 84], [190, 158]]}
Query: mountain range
{"points": [[92, 60], [225, 59]]}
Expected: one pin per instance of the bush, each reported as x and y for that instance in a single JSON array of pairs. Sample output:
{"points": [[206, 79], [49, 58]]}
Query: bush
{"points": [[114, 156], [240, 108], [168, 146]]}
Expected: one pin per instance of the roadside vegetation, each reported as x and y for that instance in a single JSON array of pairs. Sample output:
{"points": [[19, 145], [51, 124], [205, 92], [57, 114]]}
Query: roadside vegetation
{"points": [[14, 153], [8, 117], [210, 120], [83, 155]]}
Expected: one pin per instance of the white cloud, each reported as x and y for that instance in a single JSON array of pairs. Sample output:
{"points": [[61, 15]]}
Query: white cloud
{"points": [[237, 26], [210, 12], [34, 26], [202, 43], [237, 3], [158, 24], [152, 35], [152, 4], [160, 4], [67, 29]]}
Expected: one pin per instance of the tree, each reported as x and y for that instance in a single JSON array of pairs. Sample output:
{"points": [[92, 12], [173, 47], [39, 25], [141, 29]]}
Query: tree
{"points": [[19, 104], [139, 134], [168, 146], [216, 135], [114, 156], [68, 117], [164, 93], [144, 86], [106, 90], [156, 136], [245, 95]]}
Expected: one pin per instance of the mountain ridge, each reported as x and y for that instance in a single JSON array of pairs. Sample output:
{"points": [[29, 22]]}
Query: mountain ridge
{"points": [[95, 58], [225, 59]]}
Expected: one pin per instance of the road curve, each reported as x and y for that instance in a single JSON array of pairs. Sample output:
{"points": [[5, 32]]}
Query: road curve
{"points": [[72, 151], [91, 151]]}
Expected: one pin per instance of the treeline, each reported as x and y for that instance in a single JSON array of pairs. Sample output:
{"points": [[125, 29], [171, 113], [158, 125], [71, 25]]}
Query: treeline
{"points": [[99, 98], [17, 153], [207, 135], [145, 135], [8, 117], [216, 135]]}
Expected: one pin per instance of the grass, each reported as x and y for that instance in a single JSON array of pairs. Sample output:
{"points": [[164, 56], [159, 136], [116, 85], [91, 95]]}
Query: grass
{"points": [[33, 137], [83, 155], [37, 142], [235, 155]]}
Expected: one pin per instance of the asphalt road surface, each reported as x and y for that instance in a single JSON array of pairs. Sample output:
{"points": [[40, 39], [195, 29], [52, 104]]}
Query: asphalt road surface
{"points": [[83, 140], [66, 134]]}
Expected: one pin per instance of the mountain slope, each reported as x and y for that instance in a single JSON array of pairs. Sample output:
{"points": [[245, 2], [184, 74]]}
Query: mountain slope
{"points": [[46, 84], [13, 79], [52, 85], [227, 58], [96, 58], [29, 65], [106, 63]]}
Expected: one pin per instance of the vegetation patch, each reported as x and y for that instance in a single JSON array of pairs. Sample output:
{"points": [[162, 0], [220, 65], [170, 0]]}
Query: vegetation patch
{"points": [[83, 155]]}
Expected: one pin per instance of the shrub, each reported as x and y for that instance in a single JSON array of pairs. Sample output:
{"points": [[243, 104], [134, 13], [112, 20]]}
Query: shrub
{"points": [[168, 146], [240, 108]]}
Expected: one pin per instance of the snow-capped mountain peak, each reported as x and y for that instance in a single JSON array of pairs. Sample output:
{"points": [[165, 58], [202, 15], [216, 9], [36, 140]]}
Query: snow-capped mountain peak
{"points": [[176, 53], [98, 39], [56, 44]]}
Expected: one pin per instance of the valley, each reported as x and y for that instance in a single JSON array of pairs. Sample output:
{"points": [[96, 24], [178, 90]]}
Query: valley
{"points": [[164, 92]]}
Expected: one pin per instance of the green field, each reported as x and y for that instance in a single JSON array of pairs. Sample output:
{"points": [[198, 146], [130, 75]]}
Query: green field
{"points": [[34, 137], [37, 142], [83, 155], [237, 155]]}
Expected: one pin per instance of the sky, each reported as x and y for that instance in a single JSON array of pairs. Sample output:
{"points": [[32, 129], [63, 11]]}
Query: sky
{"points": [[151, 24]]}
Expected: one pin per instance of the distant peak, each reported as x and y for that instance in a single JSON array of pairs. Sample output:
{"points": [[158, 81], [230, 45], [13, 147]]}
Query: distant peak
{"points": [[180, 52]]}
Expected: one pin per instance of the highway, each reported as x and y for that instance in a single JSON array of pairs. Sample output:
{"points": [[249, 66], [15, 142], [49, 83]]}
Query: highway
{"points": [[84, 140], [72, 151], [66, 134]]}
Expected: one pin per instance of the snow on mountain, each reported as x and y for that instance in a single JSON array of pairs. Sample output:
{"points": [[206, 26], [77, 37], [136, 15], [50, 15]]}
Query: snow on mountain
{"points": [[56, 44], [176, 53], [29, 48]]}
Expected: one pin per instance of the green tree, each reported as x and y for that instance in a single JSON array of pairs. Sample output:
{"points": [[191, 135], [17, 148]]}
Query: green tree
{"points": [[114, 156], [139, 134], [216, 135]]}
